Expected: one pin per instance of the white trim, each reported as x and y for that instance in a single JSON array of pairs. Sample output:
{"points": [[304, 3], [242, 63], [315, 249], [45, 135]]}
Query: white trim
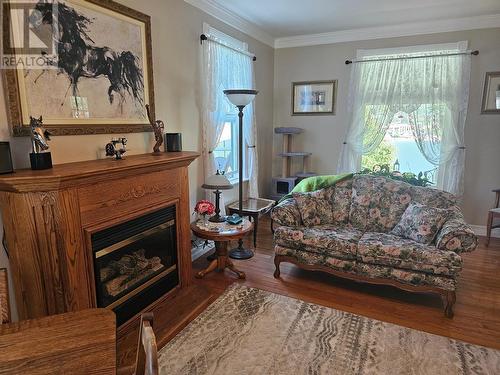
{"points": [[391, 31], [230, 18], [480, 230]]}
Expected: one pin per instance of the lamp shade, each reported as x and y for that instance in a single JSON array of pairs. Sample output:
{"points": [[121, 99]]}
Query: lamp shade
{"points": [[241, 97], [217, 182]]}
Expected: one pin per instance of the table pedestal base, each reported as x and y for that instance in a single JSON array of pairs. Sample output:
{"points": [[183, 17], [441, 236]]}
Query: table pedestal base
{"points": [[221, 262]]}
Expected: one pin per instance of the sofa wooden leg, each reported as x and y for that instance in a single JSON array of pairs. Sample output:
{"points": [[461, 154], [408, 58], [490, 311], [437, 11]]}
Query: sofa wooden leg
{"points": [[449, 299], [277, 261]]}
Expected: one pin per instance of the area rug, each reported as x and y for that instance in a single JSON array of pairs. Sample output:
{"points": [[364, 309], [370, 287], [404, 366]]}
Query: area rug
{"points": [[250, 331]]}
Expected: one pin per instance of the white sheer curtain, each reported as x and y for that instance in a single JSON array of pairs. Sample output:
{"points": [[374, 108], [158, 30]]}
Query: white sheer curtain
{"points": [[224, 68], [433, 89]]}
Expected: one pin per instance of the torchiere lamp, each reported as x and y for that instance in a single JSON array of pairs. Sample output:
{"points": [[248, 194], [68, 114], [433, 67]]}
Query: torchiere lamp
{"points": [[240, 98], [217, 182]]}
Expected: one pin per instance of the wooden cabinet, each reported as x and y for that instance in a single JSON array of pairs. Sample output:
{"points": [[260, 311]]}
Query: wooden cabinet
{"points": [[48, 216]]}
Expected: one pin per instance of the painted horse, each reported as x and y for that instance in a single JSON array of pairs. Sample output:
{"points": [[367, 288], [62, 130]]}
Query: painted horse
{"points": [[79, 58]]}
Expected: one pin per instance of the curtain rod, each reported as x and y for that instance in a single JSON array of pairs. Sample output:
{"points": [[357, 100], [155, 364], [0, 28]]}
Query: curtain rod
{"points": [[475, 53], [204, 37]]}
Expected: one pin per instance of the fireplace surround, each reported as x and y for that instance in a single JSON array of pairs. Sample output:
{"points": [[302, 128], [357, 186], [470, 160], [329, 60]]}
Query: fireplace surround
{"points": [[69, 228]]}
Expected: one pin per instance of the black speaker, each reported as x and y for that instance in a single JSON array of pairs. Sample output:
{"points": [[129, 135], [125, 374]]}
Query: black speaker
{"points": [[5, 158], [173, 142]]}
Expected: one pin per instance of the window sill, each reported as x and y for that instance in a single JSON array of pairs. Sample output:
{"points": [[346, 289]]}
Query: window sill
{"points": [[235, 181]]}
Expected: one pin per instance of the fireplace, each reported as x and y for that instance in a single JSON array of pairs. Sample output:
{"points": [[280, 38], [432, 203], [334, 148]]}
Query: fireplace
{"points": [[135, 262]]}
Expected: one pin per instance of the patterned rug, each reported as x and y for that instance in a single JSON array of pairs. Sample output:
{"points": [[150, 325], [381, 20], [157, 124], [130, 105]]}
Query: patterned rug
{"points": [[250, 331]]}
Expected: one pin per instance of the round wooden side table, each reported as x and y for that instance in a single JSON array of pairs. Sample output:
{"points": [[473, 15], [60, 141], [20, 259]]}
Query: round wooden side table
{"points": [[221, 234]]}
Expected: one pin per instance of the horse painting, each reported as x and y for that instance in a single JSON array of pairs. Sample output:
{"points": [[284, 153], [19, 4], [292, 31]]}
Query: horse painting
{"points": [[79, 58]]}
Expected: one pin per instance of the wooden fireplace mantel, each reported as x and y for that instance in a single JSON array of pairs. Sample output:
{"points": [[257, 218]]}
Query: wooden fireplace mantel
{"points": [[50, 215]]}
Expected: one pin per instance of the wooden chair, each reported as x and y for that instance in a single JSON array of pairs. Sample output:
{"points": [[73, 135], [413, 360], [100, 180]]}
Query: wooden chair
{"points": [[492, 214], [146, 362], [4, 297]]}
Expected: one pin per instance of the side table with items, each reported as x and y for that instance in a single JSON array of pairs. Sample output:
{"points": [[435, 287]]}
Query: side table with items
{"points": [[221, 234], [253, 208]]}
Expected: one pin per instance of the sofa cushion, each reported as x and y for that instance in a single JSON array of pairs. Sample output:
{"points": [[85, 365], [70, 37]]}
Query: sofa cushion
{"points": [[393, 251], [420, 223], [378, 203], [432, 197], [323, 239], [316, 207]]}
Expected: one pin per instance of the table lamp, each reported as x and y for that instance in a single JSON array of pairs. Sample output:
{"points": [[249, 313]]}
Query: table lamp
{"points": [[217, 182], [240, 98]]}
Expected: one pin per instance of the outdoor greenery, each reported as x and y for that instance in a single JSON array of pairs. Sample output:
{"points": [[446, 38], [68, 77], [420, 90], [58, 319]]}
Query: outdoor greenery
{"points": [[411, 178], [385, 154]]}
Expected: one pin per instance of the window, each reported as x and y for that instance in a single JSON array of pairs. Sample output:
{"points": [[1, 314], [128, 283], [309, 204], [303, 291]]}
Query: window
{"points": [[408, 108], [225, 154], [399, 149]]}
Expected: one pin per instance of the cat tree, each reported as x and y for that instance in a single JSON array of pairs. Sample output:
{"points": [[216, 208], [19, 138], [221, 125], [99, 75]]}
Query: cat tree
{"points": [[283, 184]]}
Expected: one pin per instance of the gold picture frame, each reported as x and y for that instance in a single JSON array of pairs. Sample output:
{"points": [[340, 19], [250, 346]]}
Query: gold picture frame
{"points": [[121, 103], [491, 94], [314, 98]]}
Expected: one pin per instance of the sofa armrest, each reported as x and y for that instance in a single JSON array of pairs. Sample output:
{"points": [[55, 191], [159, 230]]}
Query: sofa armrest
{"points": [[456, 235], [287, 214]]}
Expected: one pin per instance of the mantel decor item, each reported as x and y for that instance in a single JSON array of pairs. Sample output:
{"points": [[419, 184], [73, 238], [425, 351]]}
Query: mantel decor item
{"points": [[158, 127], [491, 94], [113, 150], [314, 97], [240, 98], [217, 182], [40, 158], [173, 142], [94, 73], [5, 158]]}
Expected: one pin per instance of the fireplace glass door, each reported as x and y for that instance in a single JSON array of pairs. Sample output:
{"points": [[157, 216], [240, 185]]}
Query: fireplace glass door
{"points": [[133, 260]]}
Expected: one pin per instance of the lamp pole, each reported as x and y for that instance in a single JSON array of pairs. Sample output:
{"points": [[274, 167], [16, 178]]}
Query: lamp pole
{"points": [[240, 98]]}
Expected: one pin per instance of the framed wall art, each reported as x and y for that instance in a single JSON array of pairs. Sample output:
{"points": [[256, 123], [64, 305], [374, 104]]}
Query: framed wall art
{"points": [[491, 93], [314, 98], [100, 76]]}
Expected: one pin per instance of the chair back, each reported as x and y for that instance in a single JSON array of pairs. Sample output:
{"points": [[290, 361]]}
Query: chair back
{"points": [[146, 362], [4, 297]]}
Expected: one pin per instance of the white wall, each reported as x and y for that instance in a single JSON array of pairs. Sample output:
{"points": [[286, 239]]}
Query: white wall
{"points": [[176, 28], [324, 134]]}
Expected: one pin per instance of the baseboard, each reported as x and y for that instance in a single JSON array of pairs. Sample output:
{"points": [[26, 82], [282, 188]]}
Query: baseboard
{"points": [[199, 251], [480, 230]]}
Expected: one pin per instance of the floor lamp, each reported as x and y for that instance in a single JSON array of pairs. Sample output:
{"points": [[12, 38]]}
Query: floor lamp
{"points": [[240, 98]]}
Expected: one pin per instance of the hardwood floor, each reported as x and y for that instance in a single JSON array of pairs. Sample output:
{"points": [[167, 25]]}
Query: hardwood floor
{"points": [[477, 311]]}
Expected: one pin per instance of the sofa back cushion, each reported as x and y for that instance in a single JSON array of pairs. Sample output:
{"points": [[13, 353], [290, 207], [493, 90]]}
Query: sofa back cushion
{"points": [[341, 201], [316, 207], [326, 206], [378, 202], [432, 197]]}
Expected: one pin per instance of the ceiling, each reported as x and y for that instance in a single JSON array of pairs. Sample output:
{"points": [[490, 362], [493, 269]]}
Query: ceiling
{"points": [[291, 23], [285, 18]]}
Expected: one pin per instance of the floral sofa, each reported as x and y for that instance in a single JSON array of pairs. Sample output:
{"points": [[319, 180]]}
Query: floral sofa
{"points": [[376, 230]]}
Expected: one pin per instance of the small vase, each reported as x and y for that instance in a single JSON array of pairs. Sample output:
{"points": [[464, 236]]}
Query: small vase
{"points": [[204, 220]]}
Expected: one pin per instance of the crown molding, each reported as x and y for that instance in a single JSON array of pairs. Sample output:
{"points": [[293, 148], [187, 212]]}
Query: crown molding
{"points": [[391, 31], [232, 19]]}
